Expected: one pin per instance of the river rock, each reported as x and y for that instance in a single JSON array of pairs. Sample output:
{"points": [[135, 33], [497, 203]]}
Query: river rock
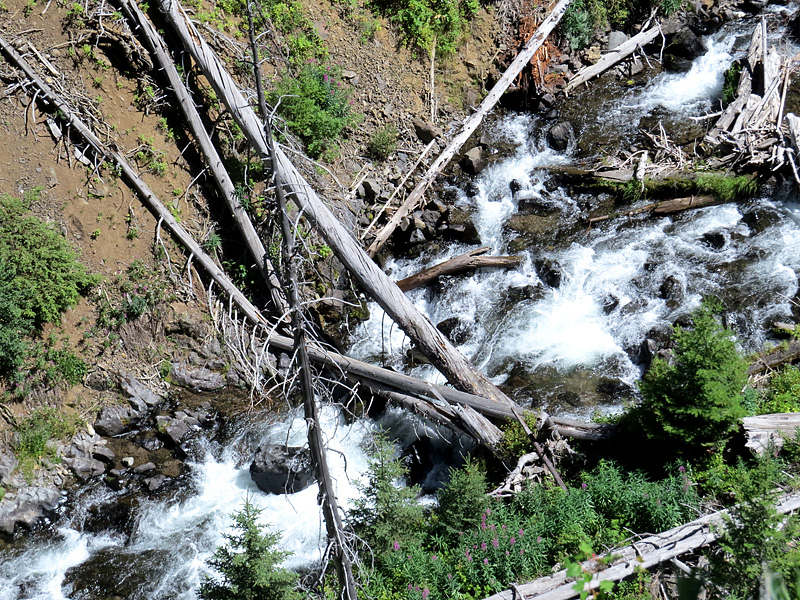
{"points": [[117, 419], [560, 136], [682, 50], [616, 39], [278, 469], [174, 430], [103, 454], [425, 131], [136, 390], [460, 227], [199, 379], [671, 290], [548, 271], [154, 483], [148, 466], [714, 239], [474, 161], [84, 468], [27, 507], [455, 329]]}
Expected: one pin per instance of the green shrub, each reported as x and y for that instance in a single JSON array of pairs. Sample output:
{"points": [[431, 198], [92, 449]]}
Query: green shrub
{"points": [[383, 143], [783, 392], [731, 83], [249, 565], [42, 426], [462, 501], [578, 24], [695, 403], [316, 107], [386, 515], [515, 441]]}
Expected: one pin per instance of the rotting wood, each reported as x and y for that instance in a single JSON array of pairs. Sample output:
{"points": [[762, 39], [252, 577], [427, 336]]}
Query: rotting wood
{"points": [[665, 207], [437, 348], [610, 59], [224, 183], [642, 554], [774, 359], [766, 432], [474, 259], [471, 124]]}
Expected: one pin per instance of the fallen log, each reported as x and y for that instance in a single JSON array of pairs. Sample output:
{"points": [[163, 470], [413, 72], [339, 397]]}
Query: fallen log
{"points": [[471, 124], [224, 184], [766, 432], [438, 349], [665, 207], [610, 59], [775, 359], [642, 554], [468, 261]]}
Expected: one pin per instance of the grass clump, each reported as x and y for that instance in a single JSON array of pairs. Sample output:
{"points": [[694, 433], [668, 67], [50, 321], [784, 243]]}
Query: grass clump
{"points": [[727, 187], [36, 433], [383, 143]]}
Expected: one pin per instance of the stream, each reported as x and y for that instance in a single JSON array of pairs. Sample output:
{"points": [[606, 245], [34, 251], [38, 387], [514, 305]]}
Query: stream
{"points": [[562, 332]]}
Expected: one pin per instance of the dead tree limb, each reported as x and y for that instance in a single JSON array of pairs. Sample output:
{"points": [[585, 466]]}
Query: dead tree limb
{"points": [[471, 124], [779, 357], [327, 493], [442, 354], [468, 261], [610, 59], [643, 554], [224, 184], [765, 432]]}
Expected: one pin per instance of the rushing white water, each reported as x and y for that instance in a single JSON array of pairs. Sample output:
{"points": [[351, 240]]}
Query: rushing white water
{"points": [[165, 555]]}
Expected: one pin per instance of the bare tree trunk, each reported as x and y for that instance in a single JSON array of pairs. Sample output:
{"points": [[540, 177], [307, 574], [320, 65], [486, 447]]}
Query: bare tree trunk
{"points": [[327, 494], [223, 180], [464, 262], [442, 354], [471, 124]]}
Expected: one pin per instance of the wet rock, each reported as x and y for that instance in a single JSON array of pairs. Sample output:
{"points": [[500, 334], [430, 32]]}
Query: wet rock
{"points": [[114, 420], [615, 389], [198, 379], [472, 189], [27, 507], [103, 454], [548, 271], [455, 329], [148, 466], [682, 50], [671, 290], [646, 351], [474, 161], [425, 131], [136, 390], [610, 302], [526, 292], [714, 239], [416, 237], [514, 186], [615, 39], [155, 483], [278, 469], [174, 430], [460, 227], [560, 136], [84, 468]]}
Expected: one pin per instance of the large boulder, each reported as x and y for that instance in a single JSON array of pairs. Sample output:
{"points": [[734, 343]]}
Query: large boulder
{"points": [[28, 507], [198, 379], [84, 468], [279, 469], [474, 161], [114, 420], [425, 131], [560, 136]]}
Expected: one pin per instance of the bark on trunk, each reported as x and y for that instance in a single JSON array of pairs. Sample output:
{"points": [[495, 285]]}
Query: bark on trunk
{"points": [[471, 124], [468, 261], [442, 354]]}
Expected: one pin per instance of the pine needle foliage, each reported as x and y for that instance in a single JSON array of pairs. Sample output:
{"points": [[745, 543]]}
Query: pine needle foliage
{"points": [[249, 564], [695, 403]]}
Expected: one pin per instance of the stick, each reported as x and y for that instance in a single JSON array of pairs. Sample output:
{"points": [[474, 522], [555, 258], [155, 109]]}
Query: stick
{"points": [[464, 262]]}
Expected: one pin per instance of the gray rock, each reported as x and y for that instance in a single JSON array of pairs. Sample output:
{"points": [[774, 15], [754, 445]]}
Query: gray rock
{"points": [[155, 482], [348, 74], [84, 468], [371, 189], [8, 463], [474, 161], [27, 507], [176, 430], [127, 461], [99, 381], [615, 39], [425, 131], [103, 454], [548, 271], [455, 329], [200, 379], [148, 466], [136, 389], [560, 136], [114, 420], [686, 44], [278, 469]]}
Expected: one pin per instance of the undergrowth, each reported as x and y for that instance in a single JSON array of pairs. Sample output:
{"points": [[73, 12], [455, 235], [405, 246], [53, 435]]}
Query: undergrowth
{"points": [[38, 434]]}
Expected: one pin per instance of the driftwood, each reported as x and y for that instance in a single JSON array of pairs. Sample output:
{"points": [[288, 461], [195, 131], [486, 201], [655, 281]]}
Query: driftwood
{"points": [[438, 349], [468, 261], [768, 431], [775, 359], [643, 554], [471, 124], [665, 207], [610, 59], [224, 184]]}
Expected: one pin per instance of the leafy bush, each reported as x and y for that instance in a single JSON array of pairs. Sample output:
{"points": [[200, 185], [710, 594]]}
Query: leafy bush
{"points": [[462, 501], [578, 24], [316, 107], [383, 142], [249, 565], [695, 403], [42, 425], [424, 23], [783, 393]]}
